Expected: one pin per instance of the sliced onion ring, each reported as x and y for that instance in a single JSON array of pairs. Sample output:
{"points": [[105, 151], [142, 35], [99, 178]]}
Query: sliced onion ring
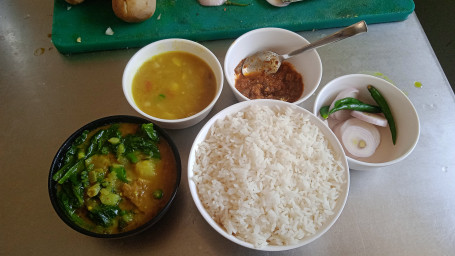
{"points": [[371, 118], [359, 138], [342, 115]]}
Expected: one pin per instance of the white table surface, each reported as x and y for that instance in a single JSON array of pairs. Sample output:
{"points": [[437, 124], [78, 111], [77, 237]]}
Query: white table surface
{"points": [[404, 209]]}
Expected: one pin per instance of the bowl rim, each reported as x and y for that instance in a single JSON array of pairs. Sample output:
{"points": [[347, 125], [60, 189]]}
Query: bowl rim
{"points": [[56, 163], [267, 30], [126, 88], [232, 109], [397, 91]]}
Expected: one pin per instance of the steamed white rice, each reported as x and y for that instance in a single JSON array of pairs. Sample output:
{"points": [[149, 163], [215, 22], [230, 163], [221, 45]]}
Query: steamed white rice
{"points": [[268, 176]]}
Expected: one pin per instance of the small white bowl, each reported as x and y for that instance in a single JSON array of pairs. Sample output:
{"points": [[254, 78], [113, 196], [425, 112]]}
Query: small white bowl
{"points": [[163, 46], [329, 135], [281, 41], [404, 113]]}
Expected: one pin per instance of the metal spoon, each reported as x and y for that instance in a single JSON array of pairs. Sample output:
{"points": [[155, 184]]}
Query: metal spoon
{"points": [[269, 62]]}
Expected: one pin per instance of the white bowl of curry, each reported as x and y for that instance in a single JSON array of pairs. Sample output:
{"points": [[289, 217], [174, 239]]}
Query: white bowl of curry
{"points": [[296, 80], [173, 82]]}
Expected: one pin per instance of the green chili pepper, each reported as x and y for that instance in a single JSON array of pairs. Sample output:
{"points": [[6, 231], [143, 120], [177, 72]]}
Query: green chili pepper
{"points": [[377, 96], [324, 111], [347, 100], [354, 104]]}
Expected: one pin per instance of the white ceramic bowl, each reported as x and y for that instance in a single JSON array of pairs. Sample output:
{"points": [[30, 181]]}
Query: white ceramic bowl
{"points": [[163, 46], [281, 41], [404, 113], [336, 146]]}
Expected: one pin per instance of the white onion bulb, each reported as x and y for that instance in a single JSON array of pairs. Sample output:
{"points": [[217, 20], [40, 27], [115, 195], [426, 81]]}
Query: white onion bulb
{"points": [[212, 2], [278, 3]]}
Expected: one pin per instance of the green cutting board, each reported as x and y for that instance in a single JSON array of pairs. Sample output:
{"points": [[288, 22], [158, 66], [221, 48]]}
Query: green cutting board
{"points": [[187, 19]]}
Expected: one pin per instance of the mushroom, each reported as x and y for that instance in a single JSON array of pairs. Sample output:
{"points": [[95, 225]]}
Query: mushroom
{"points": [[74, 2], [134, 10], [129, 10]]}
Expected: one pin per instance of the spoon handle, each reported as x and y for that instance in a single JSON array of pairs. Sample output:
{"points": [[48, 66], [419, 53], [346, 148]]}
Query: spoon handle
{"points": [[352, 30]]}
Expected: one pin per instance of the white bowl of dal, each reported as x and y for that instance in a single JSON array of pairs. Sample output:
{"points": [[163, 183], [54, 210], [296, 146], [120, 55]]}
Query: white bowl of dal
{"points": [[241, 179], [281, 41], [405, 116], [173, 88]]}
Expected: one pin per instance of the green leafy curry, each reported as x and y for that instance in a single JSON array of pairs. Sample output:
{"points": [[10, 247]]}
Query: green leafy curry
{"points": [[116, 178]]}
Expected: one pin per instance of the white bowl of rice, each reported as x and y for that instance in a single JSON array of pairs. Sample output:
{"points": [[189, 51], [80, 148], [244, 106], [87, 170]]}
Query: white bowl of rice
{"points": [[268, 175]]}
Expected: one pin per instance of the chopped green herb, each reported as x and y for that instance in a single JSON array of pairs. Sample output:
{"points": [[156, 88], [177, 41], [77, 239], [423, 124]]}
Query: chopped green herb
{"points": [[158, 194]]}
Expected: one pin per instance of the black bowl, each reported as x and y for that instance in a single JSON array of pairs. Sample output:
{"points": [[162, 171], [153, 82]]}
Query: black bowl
{"points": [[57, 163]]}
